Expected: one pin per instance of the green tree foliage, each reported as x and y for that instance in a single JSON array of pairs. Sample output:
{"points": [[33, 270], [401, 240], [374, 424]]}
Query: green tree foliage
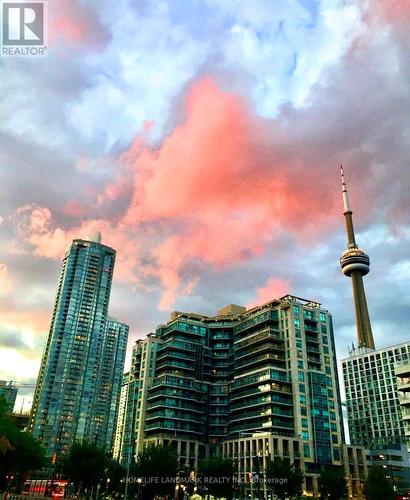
{"points": [[85, 465], [377, 486], [332, 483], [158, 466], [283, 478], [20, 453], [217, 475]]}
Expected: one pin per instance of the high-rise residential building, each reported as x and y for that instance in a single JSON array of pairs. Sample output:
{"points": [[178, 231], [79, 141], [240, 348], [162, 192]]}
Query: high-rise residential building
{"points": [[109, 380], [245, 384], [77, 391], [402, 371], [119, 428], [136, 383], [8, 391], [369, 375]]}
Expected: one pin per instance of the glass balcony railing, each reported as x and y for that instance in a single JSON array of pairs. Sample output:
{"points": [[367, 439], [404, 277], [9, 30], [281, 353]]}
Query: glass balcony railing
{"points": [[265, 334], [256, 320], [268, 358], [261, 377]]}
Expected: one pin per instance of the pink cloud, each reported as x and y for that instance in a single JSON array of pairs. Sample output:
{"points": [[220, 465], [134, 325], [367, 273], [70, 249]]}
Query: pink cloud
{"points": [[222, 177], [74, 209], [34, 320], [221, 187], [5, 279], [36, 229], [273, 289], [75, 23]]}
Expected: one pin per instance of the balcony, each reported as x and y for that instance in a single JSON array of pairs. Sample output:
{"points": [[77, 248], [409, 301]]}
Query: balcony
{"points": [[265, 334], [251, 323], [266, 357], [265, 345], [262, 414], [174, 364], [266, 376], [266, 388], [311, 348]]}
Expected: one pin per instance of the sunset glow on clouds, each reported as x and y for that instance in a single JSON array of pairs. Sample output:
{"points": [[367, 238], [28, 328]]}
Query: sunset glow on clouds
{"points": [[204, 144]]}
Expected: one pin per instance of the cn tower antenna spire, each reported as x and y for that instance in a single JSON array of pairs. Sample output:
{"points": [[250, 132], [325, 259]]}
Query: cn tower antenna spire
{"points": [[355, 264], [351, 242], [346, 204]]}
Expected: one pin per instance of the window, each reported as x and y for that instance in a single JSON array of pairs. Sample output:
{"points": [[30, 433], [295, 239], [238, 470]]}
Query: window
{"points": [[322, 317], [297, 322], [305, 435], [300, 364], [302, 388], [296, 309], [306, 450], [302, 399], [301, 376], [304, 422]]}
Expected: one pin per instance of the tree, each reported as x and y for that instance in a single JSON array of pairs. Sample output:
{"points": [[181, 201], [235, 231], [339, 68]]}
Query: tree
{"points": [[377, 485], [157, 465], [20, 453], [115, 472], [332, 483], [217, 475], [85, 464], [283, 478]]}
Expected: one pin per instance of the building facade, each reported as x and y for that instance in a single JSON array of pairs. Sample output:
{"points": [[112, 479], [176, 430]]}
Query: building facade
{"points": [[372, 400], [395, 461], [402, 371], [8, 391], [122, 407], [244, 384], [78, 386]]}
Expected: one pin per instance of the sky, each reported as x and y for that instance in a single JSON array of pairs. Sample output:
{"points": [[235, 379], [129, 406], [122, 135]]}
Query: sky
{"points": [[203, 139]]}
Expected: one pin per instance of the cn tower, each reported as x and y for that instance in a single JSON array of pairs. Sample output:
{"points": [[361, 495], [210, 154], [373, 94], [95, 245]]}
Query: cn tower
{"points": [[355, 264]]}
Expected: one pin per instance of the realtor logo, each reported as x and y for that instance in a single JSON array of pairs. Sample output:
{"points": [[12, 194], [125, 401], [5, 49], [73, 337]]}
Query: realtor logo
{"points": [[23, 29]]}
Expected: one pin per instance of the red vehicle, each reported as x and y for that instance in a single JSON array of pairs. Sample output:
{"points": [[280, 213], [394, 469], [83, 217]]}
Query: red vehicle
{"points": [[53, 488]]}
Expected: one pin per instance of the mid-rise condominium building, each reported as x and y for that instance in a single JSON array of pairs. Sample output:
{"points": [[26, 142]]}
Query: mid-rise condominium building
{"points": [[78, 387], [245, 384], [403, 387], [372, 400]]}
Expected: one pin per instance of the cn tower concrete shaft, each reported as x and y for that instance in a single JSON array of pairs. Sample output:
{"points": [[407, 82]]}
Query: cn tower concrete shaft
{"points": [[356, 264]]}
